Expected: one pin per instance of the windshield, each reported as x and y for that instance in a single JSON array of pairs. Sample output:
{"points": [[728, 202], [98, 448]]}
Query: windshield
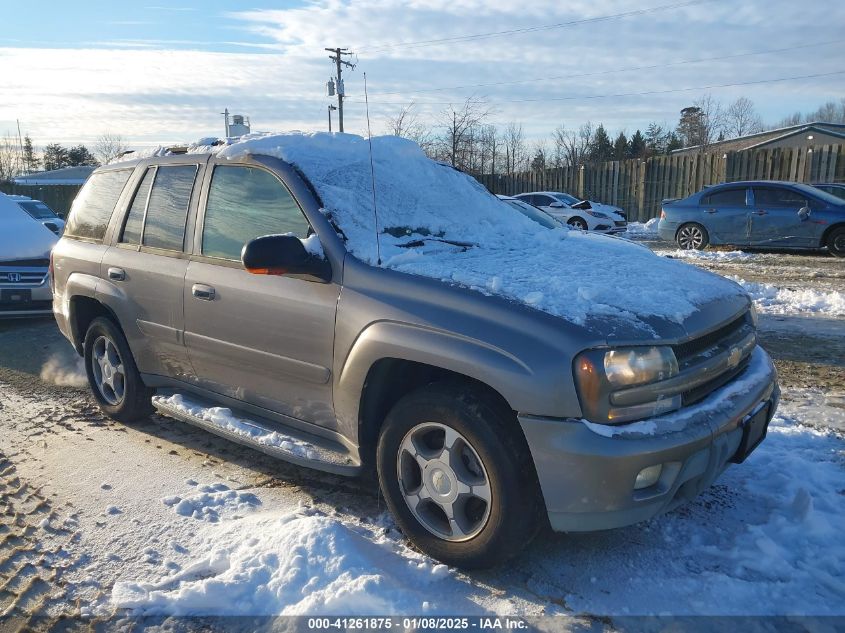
{"points": [[38, 209], [826, 197], [566, 198], [540, 217]]}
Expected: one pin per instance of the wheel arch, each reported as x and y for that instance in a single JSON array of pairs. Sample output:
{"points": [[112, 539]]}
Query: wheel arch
{"points": [[82, 310], [828, 231]]}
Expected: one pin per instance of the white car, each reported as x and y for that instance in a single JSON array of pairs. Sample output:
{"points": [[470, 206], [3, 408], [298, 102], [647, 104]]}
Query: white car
{"points": [[579, 214], [41, 212], [531, 212], [25, 245]]}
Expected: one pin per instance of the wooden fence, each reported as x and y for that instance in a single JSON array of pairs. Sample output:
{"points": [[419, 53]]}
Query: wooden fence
{"points": [[639, 185], [57, 197]]}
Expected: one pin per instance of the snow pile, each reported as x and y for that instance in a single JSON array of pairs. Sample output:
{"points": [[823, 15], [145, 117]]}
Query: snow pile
{"points": [[212, 501], [774, 300], [297, 563], [643, 230], [225, 419], [710, 255], [568, 274]]}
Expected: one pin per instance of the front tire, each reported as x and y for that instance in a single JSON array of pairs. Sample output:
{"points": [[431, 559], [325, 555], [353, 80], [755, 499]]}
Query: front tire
{"points": [[692, 236], [112, 373], [457, 476], [578, 223], [836, 242]]}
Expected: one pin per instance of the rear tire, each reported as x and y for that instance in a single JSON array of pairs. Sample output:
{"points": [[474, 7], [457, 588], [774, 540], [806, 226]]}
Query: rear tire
{"points": [[692, 236], [578, 223], [458, 477], [112, 373], [836, 242]]}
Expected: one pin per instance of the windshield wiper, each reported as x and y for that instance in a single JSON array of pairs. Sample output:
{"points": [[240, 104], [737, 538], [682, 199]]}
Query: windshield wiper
{"points": [[421, 242]]}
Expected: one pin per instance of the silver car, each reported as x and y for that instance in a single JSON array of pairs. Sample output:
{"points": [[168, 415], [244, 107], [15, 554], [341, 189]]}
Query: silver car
{"points": [[208, 280], [762, 214]]}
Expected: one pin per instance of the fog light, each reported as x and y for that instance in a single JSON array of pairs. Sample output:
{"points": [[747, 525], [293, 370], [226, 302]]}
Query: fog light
{"points": [[648, 476]]}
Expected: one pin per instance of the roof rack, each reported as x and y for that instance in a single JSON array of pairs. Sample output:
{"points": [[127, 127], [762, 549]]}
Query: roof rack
{"points": [[177, 149]]}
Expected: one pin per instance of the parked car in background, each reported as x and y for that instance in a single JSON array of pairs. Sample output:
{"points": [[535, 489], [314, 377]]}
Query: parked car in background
{"points": [[578, 214], [833, 188], [41, 212], [493, 372], [594, 204], [25, 245], [530, 211], [763, 214]]}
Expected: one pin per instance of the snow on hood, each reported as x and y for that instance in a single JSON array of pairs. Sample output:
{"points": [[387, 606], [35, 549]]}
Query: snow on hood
{"points": [[425, 207], [21, 236]]}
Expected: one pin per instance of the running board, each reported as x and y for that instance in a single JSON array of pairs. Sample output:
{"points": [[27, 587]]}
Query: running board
{"points": [[289, 445]]}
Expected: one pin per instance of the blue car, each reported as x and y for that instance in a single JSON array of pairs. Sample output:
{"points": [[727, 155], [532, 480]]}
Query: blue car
{"points": [[762, 214]]}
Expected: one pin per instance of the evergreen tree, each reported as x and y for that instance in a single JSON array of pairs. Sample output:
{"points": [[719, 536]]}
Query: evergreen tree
{"points": [[655, 139], [673, 143], [55, 157], [602, 146], [620, 147], [637, 145], [79, 156], [29, 160]]}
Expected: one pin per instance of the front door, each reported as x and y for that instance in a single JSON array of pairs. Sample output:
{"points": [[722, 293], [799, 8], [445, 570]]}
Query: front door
{"points": [[265, 340], [775, 220], [725, 213]]}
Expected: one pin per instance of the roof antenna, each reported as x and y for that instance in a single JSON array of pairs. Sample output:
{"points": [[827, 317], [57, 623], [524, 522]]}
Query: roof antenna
{"points": [[372, 169]]}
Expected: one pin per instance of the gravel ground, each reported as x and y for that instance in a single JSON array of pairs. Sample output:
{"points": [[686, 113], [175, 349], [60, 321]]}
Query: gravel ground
{"points": [[82, 493]]}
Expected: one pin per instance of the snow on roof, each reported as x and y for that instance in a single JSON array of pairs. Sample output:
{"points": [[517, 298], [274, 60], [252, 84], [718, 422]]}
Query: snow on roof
{"points": [[64, 176], [565, 273]]}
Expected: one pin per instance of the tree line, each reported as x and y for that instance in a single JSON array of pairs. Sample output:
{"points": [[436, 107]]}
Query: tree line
{"points": [[18, 156], [465, 137]]}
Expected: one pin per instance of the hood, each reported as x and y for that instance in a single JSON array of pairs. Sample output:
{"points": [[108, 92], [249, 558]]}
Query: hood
{"points": [[437, 222], [21, 236]]}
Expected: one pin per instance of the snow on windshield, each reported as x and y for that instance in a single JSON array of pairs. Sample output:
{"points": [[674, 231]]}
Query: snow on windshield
{"points": [[425, 208]]}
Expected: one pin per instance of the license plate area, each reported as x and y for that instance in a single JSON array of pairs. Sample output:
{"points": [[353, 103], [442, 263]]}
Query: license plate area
{"points": [[14, 296], [754, 430]]}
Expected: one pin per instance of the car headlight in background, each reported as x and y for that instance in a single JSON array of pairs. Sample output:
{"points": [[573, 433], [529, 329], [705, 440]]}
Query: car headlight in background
{"points": [[597, 214], [601, 373]]}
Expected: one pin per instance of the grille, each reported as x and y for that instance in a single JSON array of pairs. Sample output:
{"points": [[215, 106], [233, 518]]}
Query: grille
{"points": [[22, 277], [19, 306], [694, 395], [698, 345], [620, 223]]}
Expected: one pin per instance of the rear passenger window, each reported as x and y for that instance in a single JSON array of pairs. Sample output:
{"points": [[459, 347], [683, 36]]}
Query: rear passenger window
{"points": [[135, 218], [777, 197], [245, 203], [726, 198], [167, 210], [89, 217]]}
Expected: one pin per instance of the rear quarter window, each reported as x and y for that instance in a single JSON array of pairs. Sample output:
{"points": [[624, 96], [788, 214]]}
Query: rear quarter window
{"points": [[93, 207]]}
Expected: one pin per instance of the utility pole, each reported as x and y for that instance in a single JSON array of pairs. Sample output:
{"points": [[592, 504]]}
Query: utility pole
{"points": [[331, 107], [337, 57], [225, 114]]}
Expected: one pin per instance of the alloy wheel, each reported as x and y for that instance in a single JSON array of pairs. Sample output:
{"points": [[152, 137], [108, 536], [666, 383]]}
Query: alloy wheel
{"points": [[690, 237], [108, 369], [444, 482]]}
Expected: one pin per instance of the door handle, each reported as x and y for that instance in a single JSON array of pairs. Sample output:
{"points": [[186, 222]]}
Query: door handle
{"points": [[760, 212], [710, 210], [201, 291], [117, 274]]}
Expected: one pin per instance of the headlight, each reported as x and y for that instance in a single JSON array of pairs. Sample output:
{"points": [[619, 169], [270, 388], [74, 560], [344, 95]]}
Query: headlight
{"points": [[601, 373], [597, 214]]}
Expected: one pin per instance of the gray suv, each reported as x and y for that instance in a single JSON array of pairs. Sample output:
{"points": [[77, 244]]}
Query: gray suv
{"points": [[226, 288]]}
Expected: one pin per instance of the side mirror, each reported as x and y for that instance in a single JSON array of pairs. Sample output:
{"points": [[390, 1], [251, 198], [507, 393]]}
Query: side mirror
{"points": [[557, 205], [283, 255], [804, 213]]}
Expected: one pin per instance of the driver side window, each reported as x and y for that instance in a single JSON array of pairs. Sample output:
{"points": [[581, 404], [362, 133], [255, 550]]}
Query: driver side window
{"points": [[245, 203]]}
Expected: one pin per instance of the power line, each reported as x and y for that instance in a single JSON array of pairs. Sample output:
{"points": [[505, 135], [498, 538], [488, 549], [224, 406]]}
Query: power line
{"points": [[530, 29], [635, 94], [613, 70]]}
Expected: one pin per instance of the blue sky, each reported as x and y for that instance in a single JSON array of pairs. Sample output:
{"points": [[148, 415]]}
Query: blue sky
{"points": [[159, 72]]}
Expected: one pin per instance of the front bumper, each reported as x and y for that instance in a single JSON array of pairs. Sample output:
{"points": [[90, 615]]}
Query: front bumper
{"points": [[39, 303], [587, 472]]}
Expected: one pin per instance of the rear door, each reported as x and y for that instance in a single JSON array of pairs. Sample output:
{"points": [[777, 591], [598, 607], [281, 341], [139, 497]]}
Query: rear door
{"points": [[725, 214], [265, 340], [147, 267], [775, 220]]}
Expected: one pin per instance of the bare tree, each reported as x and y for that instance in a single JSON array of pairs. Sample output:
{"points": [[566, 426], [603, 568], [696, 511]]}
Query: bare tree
{"points": [[458, 126], [702, 123], [11, 161], [489, 146], [572, 146], [741, 118], [108, 147], [515, 149]]}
